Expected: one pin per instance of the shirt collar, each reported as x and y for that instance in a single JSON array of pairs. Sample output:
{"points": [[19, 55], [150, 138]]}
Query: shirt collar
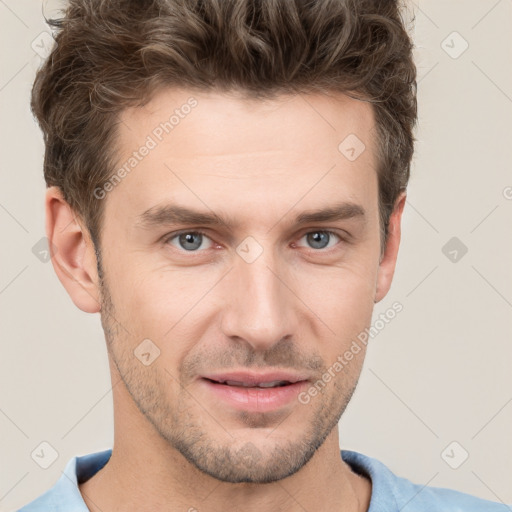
{"points": [[65, 496]]}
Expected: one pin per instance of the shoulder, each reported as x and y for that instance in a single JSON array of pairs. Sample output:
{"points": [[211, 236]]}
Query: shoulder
{"points": [[392, 493], [42, 503], [65, 495]]}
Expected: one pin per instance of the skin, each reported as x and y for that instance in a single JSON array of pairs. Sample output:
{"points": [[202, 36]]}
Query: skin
{"points": [[297, 306]]}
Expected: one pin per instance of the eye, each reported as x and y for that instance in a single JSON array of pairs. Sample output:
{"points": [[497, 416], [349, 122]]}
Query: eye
{"points": [[194, 241], [321, 239], [189, 241]]}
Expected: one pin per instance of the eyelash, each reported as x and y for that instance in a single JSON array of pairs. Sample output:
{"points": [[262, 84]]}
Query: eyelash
{"points": [[172, 236]]}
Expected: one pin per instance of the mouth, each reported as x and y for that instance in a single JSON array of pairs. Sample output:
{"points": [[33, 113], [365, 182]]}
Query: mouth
{"points": [[250, 379], [263, 385], [255, 392]]}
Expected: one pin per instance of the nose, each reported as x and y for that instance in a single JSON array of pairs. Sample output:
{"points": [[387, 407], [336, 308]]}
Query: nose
{"points": [[259, 307]]}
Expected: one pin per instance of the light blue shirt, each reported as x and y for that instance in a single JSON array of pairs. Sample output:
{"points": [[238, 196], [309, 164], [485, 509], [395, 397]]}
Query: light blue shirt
{"points": [[390, 493]]}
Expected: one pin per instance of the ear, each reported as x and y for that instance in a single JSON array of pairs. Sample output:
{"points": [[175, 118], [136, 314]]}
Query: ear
{"points": [[72, 252], [388, 258]]}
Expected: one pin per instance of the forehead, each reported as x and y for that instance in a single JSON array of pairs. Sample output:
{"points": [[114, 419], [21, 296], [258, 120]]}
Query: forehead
{"points": [[221, 151], [200, 122]]}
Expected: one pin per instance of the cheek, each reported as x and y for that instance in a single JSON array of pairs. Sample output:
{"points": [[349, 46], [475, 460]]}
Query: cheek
{"points": [[342, 296], [159, 302]]}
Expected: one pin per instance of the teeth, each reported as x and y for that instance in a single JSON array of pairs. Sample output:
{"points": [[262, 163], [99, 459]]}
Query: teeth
{"points": [[272, 384], [235, 383]]}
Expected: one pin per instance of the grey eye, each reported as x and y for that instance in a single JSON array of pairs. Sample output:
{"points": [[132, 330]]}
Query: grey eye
{"points": [[320, 239], [190, 241]]}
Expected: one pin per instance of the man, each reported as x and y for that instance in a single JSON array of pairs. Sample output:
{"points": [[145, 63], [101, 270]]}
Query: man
{"points": [[226, 181]]}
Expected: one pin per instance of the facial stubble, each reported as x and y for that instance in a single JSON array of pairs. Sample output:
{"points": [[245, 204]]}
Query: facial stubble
{"points": [[245, 454]]}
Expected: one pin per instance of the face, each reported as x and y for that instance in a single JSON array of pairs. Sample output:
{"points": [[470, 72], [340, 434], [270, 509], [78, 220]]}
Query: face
{"points": [[242, 246]]}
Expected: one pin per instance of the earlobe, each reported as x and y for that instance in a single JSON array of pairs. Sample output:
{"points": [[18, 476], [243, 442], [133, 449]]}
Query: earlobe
{"points": [[388, 260], [72, 251]]}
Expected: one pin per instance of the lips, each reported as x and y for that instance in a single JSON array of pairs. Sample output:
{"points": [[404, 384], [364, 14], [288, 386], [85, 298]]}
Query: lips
{"points": [[253, 391], [253, 379], [271, 384]]}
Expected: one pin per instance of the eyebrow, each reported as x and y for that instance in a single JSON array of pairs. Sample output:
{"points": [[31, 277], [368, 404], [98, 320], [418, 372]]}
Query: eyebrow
{"points": [[174, 214]]}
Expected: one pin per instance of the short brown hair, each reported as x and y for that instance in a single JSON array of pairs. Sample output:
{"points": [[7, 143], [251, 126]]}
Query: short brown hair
{"points": [[113, 54]]}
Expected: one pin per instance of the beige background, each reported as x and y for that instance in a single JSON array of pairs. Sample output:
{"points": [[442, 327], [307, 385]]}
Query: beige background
{"points": [[439, 372]]}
